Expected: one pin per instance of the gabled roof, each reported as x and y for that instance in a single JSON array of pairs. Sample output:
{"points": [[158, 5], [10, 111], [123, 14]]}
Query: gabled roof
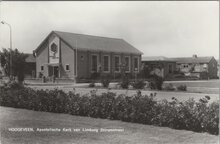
{"points": [[95, 43], [30, 58], [193, 59], [157, 58]]}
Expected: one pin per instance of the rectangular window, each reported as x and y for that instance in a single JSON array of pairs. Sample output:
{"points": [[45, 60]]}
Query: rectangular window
{"points": [[94, 63], [117, 63], [127, 64], [67, 67], [42, 68], [136, 63], [106, 63]]}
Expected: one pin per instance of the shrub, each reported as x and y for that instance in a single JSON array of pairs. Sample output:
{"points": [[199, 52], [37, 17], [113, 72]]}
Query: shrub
{"points": [[145, 72], [92, 84], [182, 87], [13, 85], [169, 87], [156, 82], [139, 84], [190, 115], [105, 82], [125, 83]]}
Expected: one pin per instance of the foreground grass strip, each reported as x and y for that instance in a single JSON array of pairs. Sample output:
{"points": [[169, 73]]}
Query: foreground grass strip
{"points": [[132, 134]]}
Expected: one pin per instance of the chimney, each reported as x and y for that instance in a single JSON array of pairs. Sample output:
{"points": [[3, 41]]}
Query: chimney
{"points": [[194, 56]]}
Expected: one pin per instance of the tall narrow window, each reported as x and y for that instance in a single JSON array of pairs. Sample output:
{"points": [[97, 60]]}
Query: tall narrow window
{"points": [[127, 64], [42, 68], [67, 67], [106, 63], [136, 64], [117, 63], [94, 63], [170, 68]]}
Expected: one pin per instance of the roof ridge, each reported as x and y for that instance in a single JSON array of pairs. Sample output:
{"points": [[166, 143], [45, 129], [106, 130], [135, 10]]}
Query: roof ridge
{"points": [[193, 57], [155, 56], [88, 35], [90, 42]]}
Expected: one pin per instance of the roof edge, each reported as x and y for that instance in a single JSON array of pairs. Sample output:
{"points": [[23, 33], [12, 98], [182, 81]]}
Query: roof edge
{"points": [[39, 46]]}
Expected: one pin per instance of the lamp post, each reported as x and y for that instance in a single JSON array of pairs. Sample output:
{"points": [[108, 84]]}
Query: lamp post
{"points": [[3, 22]]}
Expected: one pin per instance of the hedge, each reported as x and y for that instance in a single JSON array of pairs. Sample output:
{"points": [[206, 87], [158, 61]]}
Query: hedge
{"points": [[189, 115]]}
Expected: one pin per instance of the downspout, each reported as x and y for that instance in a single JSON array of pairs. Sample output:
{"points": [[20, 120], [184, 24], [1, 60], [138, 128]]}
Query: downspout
{"points": [[76, 60]]}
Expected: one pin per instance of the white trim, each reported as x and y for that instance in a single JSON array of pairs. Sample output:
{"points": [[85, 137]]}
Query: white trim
{"points": [[138, 68], [68, 66], [118, 64], [76, 60], [108, 64], [97, 62], [129, 66]]}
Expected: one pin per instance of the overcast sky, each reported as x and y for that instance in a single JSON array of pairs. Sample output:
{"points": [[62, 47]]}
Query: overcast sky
{"points": [[169, 28]]}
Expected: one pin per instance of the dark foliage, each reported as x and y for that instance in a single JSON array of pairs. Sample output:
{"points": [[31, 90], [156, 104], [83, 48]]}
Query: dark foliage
{"points": [[17, 64], [182, 87], [145, 72], [169, 87], [139, 84], [92, 84], [156, 82], [13, 85], [125, 83], [105, 80]]}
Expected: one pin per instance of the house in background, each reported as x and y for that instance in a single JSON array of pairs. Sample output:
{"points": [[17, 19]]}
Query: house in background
{"points": [[159, 65], [200, 67], [71, 56], [30, 66]]}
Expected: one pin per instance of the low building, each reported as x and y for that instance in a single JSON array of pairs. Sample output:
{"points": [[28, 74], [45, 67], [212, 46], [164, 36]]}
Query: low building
{"points": [[71, 56], [159, 65], [200, 67]]}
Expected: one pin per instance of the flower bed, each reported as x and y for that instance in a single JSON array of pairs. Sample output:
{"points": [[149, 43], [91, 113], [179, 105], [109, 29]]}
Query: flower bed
{"points": [[190, 115]]}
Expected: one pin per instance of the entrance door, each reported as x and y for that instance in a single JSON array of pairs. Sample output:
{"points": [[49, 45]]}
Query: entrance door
{"points": [[50, 71], [53, 70], [56, 71]]}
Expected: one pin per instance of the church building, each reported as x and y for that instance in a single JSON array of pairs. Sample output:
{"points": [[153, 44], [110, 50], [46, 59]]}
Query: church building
{"points": [[71, 56]]}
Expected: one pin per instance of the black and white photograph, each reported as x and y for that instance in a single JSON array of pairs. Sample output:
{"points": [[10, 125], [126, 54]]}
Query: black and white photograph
{"points": [[109, 72]]}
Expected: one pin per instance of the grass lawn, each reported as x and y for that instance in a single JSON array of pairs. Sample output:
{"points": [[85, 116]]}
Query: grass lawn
{"points": [[199, 86], [197, 83], [132, 134]]}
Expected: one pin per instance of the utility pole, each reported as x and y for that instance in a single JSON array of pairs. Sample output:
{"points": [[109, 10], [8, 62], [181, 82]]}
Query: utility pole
{"points": [[3, 22]]}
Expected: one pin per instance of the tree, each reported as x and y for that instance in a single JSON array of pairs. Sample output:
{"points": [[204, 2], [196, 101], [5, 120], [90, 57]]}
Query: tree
{"points": [[18, 63], [145, 72]]}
